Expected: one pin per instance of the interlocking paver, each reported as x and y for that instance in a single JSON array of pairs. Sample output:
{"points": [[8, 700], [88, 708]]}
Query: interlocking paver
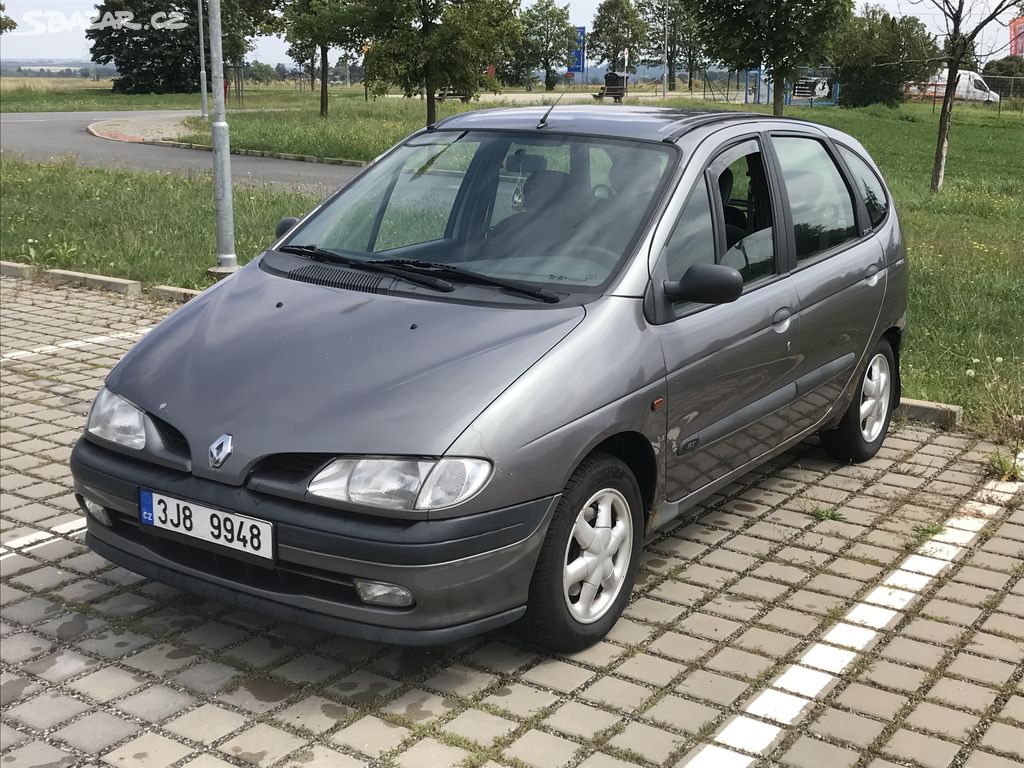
{"points": [[371, 736], [93, 652], [541, 750]]}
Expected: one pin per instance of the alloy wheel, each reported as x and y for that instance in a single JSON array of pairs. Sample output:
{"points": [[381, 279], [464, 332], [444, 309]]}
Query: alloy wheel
{"points": [[597, 556]]}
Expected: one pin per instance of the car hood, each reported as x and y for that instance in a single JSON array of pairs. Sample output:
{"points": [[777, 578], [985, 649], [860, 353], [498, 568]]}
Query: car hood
{"points": [[290, 367]]}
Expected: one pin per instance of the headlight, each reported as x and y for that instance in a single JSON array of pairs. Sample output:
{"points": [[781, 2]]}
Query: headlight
{"points": [[399, 483], [115, 419]]}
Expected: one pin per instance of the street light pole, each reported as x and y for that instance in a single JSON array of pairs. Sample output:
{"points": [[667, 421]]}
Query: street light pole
{"points": [[664, 58], [227, 262], [202, 60]]}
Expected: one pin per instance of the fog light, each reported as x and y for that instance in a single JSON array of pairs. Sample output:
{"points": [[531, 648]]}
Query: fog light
{"points": [[97, 511], [379, 593]]}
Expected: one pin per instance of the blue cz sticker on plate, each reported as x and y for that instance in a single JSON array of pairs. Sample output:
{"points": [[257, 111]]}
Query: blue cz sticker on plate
{"points": [[146, 506]]}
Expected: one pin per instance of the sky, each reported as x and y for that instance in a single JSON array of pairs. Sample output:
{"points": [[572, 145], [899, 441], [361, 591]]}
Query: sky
{"points": [[56, 31]]}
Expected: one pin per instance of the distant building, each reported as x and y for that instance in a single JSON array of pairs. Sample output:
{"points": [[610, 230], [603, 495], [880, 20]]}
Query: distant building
{"points": [[1017, 36]]}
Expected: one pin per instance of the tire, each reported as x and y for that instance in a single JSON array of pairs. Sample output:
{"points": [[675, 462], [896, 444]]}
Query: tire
{"points": [[559, 615], [856, 439]]}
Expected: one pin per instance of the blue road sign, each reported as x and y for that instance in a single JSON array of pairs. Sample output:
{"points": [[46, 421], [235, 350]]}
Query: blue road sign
{"points": [[580, 54]]}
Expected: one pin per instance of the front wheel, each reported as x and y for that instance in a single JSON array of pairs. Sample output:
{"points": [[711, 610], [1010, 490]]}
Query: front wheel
{"points": [[861, 432], [588, 562]]}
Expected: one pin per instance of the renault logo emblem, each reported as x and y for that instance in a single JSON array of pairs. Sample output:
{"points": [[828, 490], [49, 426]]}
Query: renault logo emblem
{"points": [[220, 451]]}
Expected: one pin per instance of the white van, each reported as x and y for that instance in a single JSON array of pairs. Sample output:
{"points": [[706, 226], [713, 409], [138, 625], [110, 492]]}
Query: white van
{"points": [[970, 86]]}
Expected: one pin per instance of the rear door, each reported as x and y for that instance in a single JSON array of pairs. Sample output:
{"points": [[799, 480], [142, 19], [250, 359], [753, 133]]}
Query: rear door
{"points": [[729, 367], [838, 271]]}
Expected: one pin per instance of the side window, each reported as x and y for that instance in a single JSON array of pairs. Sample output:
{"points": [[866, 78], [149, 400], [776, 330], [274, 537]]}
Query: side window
{"points": [[747, 209], [693, 239], [819, 201], [869, 185]]}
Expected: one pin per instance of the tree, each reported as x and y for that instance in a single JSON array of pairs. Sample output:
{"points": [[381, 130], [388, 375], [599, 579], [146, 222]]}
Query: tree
{"points": [[877, 54], [165, 60], [323, 24], [6, 22], [965, 20], [516, 67], [148, 60], [617, 28], [551, 37], [429, 45], [1010, 66], [686, 50], [778, 34], [262, 73], [281, 70]]}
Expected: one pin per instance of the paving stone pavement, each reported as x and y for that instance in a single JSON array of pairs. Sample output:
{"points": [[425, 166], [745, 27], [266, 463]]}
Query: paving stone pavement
{"points": [[811, 615]]}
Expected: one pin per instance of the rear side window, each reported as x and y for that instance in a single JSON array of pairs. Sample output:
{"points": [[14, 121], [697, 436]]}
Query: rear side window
{"points": [[869, 185], [819, 201]]}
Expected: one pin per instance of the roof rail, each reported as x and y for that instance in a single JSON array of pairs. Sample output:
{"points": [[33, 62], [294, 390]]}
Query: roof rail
{"points": [[697, 121]]}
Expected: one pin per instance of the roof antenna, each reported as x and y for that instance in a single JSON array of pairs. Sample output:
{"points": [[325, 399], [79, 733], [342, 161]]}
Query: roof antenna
{"points": [[544, 120]]}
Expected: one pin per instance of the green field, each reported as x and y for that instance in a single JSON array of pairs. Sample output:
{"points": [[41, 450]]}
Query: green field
{"points": [[44, 94], [965, 244]]}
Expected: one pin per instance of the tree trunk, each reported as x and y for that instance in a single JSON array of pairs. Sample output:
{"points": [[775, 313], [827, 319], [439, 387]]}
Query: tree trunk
{"points": [[671, 74], [945, 116], [778, 92], [428, 84], [324, 67], [312, 74]]}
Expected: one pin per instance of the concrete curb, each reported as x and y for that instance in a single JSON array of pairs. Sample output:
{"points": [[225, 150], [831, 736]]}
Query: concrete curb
{"points": [[939, 414], [115, 136], [13, 269], [173, 293], [115, 284]]}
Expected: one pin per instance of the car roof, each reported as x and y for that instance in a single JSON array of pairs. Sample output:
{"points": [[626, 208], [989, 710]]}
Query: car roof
{"points": [[630, 122]]}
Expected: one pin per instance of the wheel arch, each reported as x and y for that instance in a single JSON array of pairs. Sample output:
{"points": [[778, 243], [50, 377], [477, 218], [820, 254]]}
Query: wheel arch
{"points": [[635, 451]]}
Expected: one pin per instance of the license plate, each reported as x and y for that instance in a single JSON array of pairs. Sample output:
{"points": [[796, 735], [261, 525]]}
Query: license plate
{"points": [[226, 529]]}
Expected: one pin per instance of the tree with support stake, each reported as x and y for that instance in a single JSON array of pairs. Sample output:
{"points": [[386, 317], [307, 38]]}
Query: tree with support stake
{"points": [[965, 21]]}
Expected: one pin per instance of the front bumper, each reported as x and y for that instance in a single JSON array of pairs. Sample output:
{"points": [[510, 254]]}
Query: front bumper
{"points": [[467, 574]]}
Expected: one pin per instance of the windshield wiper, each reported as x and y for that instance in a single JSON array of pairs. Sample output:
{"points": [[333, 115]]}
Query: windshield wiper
{"points": [[370, 265], [468, 275]]}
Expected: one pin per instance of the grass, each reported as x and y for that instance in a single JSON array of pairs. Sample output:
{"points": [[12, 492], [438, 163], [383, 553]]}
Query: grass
{"points": [[965, 343], [356, 129], [38, 94], [831, 513], [1005, 466], [157, 228]]}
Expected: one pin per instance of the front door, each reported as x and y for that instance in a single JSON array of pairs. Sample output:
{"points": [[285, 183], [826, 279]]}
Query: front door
{"points": [[729, 367]]}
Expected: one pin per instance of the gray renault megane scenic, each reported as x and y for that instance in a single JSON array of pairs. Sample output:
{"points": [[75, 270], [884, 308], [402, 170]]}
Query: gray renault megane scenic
{"points": [[461, 392]]}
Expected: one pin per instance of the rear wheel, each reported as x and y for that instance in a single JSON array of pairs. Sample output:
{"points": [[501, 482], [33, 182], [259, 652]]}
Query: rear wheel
{"points": [[861, 432], [587, 565]]}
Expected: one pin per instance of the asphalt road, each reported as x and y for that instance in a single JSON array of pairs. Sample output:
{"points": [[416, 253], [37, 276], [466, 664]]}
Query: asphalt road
{"points": [[48, 135]]}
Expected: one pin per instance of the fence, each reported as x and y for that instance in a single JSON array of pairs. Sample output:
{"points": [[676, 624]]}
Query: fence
{"points": [[994, 92]]}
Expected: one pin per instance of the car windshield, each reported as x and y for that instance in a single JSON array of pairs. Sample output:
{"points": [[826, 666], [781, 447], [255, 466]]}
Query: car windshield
{"points": [[556, 210]]}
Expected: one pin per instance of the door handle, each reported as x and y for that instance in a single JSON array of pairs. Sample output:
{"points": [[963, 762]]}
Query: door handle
{"points": [[780, 320], [871, 275]]}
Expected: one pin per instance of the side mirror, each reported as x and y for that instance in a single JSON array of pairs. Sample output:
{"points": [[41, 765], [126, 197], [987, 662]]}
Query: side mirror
{"points": [[286, 225], [706, 284]]}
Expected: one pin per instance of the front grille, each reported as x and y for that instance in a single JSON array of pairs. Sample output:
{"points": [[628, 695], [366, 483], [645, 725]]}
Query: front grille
{"points": [[289, 467], [173, 439], [282, 578], [322, 274]]}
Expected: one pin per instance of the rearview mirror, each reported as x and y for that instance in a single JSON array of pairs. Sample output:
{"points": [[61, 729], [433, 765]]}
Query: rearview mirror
{"points": [[286, 225], [706, 284]]}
